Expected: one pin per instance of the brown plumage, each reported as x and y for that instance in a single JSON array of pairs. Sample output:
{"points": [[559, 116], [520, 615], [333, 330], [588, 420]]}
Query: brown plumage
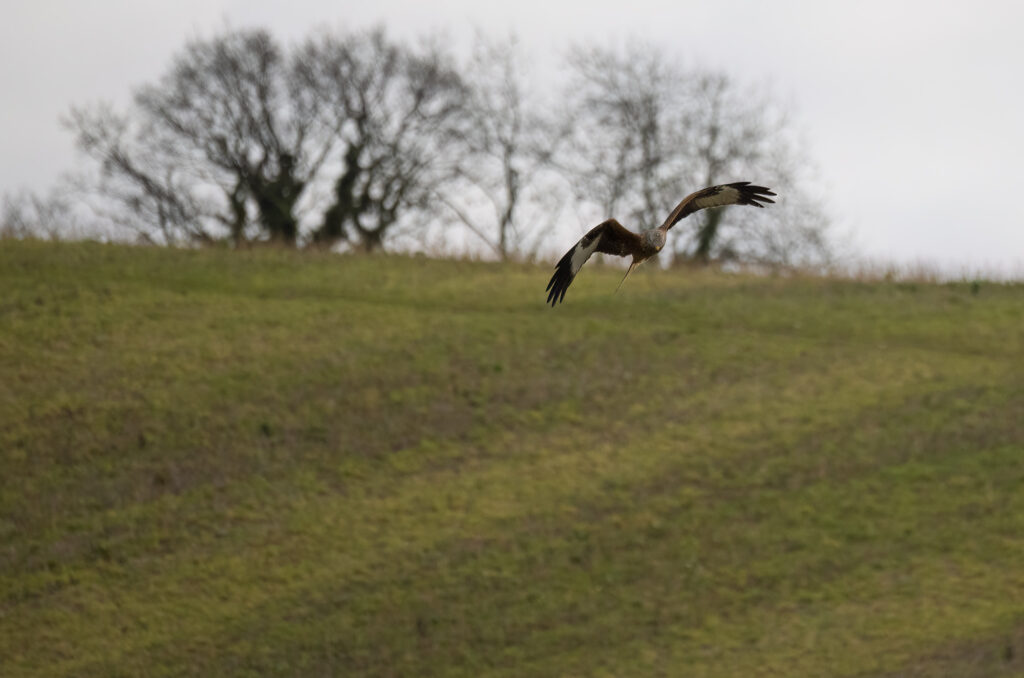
{"points": [[611, 237]]}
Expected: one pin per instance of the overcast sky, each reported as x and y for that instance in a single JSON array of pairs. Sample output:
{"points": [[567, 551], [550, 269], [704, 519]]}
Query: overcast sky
{"points": [[912, 111]]}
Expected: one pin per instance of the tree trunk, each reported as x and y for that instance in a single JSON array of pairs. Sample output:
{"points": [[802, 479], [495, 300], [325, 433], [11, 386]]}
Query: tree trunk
{"points": [[706, 236], [371, 240]]}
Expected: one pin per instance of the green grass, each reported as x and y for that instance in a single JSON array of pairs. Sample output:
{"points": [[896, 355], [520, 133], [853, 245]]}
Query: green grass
{"points": [[272, 463]]}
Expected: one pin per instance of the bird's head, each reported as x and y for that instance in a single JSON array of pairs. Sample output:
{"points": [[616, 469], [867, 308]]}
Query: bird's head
{"points": [[653, 239]]}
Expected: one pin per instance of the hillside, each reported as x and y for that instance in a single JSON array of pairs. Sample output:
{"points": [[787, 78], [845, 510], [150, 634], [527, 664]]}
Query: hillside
{"points": [[273, 463]]}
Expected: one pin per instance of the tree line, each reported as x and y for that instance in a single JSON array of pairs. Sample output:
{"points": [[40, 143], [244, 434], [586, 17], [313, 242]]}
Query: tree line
{"points": [[356, 140]]}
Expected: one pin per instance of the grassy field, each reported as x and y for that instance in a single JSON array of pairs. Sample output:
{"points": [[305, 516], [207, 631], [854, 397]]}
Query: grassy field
{"points": [[271, 463]]}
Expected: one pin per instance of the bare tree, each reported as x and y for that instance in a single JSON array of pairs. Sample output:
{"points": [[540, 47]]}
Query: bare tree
{"points": [[354, 138], [620, 131], [221, 141], [61, 213], [395, 112], [147, 177], [505, 187], [233, 101], [647, 131], [243, 138], [26, 214]]}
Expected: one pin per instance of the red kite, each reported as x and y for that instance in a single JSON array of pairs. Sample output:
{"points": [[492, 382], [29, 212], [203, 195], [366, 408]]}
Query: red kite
{"points": [[611, 237]]}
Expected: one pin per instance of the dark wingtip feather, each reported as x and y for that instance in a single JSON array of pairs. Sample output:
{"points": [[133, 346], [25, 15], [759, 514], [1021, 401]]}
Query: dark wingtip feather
{"points": [[561, 279], [753, 195], [556, 288]]}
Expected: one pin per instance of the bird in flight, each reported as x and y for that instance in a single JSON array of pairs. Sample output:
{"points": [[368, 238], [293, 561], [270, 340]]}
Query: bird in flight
{"points": [[611, 237]]}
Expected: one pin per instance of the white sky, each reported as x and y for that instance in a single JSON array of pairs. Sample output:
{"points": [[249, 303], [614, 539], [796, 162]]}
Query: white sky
{"points": [[913, 110]]}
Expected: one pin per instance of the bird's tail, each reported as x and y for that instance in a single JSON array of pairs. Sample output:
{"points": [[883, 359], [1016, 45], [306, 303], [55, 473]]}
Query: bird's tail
{"points": [[628, 271]]}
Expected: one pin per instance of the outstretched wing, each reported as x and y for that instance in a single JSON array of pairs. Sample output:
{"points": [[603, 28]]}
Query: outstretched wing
{"points": [[739, 193], [608, 237]]}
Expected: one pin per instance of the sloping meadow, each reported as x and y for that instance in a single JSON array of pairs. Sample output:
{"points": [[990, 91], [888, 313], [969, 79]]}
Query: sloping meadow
{"points": [[276, 463]]}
